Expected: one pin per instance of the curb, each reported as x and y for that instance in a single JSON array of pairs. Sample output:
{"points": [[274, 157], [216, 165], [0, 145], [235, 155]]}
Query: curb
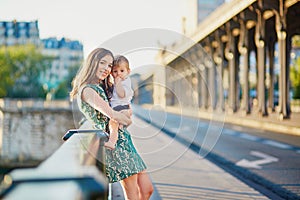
{"points": [[228, 118]]}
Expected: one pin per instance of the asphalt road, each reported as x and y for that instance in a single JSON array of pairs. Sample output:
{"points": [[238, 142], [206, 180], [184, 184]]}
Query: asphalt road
{"points": [[254, 156]]}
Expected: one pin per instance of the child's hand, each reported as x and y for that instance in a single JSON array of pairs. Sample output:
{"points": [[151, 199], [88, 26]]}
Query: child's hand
{"points": [[122, 77], [112, 124], [118, 79], [129, 112]]}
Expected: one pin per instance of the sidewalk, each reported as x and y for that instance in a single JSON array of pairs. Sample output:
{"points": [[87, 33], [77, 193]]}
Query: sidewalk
{"points": [[271, 122], [179, 173]]}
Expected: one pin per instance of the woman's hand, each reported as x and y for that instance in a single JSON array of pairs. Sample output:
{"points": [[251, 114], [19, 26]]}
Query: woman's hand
{"points": [[123, 117], [127, 112]]}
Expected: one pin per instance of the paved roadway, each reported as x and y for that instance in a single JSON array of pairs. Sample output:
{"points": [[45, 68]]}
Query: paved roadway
{"points": [[270, 166], [177, 172]]}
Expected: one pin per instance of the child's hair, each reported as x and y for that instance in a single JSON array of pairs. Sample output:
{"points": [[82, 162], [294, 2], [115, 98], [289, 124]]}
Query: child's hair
{"points": [[119, 59]]}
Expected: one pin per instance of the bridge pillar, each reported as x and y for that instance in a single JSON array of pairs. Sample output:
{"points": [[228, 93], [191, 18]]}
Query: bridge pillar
{"points": [[243, 47], [283, 76], [202, 78], [204, 86], [271, 49], [211, 75], [231, 55], [195, 61], [218, 57], [261, 62]]}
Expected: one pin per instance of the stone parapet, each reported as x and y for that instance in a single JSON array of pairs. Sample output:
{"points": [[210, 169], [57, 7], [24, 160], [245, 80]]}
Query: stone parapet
{"points": [[31, 130]]}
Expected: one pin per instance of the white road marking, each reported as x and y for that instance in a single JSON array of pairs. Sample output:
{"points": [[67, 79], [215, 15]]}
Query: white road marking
{"points": [[277, 144], [249, 137], [229, 132], [256, 164]]}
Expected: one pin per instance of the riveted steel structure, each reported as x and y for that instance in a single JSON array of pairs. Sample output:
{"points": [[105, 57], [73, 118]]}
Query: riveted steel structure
{"points": [[235, 33]]}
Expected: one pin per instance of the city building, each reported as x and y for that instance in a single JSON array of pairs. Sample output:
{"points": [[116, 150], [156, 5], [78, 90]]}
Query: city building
{"points": [[205, 7], [67, 53], [241, 51], [195, 11], [18, 33]]}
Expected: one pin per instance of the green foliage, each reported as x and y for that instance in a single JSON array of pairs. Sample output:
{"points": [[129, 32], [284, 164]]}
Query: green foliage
{"points": [[20, 69], [64, 88], [295, 69], [62, 91], [295, 78], [296, 41]]}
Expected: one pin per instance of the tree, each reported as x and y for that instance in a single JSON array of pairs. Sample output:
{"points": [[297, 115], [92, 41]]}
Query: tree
{"points": [[20, 69], [295, 68], [65, 87], [295, 78]]}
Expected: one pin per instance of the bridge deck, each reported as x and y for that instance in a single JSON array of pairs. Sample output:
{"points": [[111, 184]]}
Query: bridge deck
{"points": [[179, 173]]}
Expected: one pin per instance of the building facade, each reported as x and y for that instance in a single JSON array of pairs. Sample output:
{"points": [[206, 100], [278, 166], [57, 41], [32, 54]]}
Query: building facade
{"points": [[195, 11], [206, 7], [66, 53], [19, 33], [238, 39]]}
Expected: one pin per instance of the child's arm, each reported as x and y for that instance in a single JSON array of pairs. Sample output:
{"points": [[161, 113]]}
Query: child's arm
{"points": [[113, 135], [119, 87], [113, 129]]}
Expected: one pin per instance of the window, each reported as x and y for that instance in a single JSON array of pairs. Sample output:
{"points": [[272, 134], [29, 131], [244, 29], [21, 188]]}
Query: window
{"points": [[10, 32], [21, 24], [9, 24]]}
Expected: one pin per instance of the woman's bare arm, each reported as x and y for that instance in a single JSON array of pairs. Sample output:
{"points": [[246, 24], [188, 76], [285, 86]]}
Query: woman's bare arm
{"points": [[91, 97]]}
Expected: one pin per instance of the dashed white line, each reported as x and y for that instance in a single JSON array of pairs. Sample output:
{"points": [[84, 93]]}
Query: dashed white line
{"points": [[229, 132], [249, 137], [277, 144]]}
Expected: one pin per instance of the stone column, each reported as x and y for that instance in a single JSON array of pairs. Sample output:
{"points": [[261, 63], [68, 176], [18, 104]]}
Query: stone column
{"points": [[261, 61], [218, 57], [283, 76], [230, 54], [199, 83], [194, 61], [211, 75], [202, 79], [271, 48], [243, 47], [159, 87], [203, 74]]}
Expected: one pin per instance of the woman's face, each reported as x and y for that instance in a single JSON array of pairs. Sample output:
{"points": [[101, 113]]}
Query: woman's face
{"points": [[104, 67]]}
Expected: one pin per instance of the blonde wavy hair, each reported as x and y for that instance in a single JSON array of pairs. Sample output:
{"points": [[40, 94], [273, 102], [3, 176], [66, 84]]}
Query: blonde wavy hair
{"points": [[87, 72]]}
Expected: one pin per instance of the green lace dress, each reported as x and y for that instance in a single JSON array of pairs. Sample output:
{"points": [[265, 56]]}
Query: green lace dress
{"points": [[124, 160]]}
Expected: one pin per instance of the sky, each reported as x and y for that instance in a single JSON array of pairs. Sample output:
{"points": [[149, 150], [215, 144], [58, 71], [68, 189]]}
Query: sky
{"points": [[94, 22]]}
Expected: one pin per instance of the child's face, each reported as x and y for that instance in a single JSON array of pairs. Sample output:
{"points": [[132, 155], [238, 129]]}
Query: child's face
{"points": [[120, 70]]}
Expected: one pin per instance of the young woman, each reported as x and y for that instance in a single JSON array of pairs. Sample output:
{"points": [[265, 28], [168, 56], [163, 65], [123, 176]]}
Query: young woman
{"points": [[92, 89]]}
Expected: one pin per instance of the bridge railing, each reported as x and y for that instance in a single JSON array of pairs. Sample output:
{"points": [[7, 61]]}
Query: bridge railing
{"points": [[75, 171]]}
